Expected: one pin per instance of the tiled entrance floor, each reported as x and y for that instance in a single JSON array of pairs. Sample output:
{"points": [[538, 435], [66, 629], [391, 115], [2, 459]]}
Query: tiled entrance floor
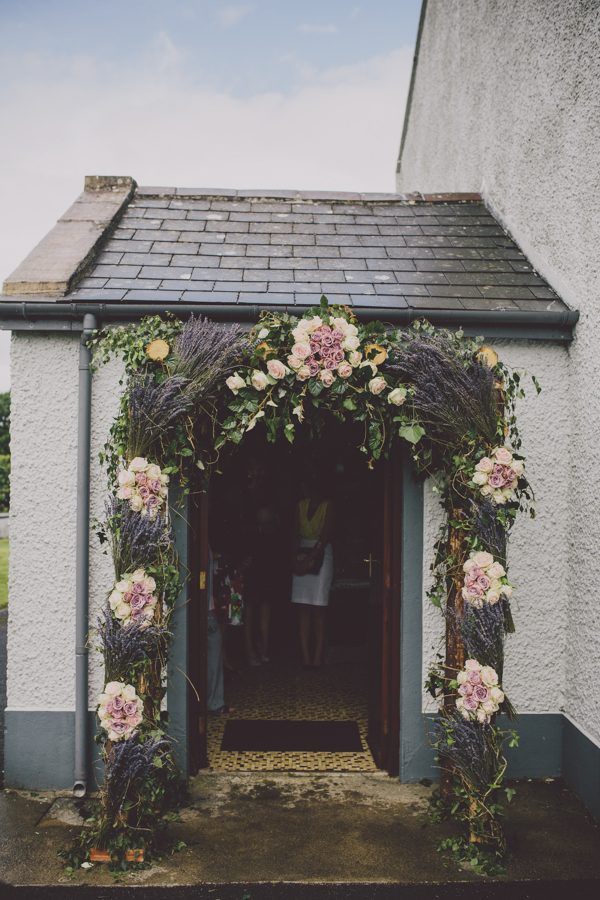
{"points": [[278, 691]]}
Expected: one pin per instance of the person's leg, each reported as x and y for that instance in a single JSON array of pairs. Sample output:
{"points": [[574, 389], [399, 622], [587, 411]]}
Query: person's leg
{"points": [[304, 621], [251, 657], [215, 698], [319, 616], [264, 623]]}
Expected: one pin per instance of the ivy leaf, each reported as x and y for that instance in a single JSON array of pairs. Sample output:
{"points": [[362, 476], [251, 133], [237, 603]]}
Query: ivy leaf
{"points": [[411, 433]]}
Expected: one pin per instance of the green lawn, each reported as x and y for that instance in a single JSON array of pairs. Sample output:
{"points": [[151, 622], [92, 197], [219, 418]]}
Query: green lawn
{"points": [[3, 572]]}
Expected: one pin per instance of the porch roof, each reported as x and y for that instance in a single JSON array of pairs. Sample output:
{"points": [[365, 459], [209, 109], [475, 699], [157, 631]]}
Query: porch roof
{"points": [[435, 255]]}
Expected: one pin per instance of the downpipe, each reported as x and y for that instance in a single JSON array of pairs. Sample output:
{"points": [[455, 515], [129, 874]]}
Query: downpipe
{"points": [[82, 559]]}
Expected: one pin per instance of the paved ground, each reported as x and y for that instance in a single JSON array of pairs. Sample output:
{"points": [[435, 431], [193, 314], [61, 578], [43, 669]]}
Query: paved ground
{"points": [[284, 837], [3, 620]]}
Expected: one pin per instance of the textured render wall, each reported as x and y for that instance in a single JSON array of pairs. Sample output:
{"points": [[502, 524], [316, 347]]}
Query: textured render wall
{"points": [[539, 603], [41, 623], [41, 631], [506, 102]]}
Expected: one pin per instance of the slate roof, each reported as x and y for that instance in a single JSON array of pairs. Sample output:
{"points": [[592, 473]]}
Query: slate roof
{"points": [[367, 250]]}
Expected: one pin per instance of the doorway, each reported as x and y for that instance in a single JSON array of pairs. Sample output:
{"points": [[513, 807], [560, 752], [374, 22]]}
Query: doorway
{"points": [[359, 680]]}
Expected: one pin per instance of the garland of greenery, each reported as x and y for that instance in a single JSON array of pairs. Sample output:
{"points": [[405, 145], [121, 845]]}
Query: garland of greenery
{"points": [[192, 390]]}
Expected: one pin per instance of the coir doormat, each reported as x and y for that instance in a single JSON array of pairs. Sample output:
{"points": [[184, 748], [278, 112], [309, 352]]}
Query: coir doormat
{"points": [[281, 734]]}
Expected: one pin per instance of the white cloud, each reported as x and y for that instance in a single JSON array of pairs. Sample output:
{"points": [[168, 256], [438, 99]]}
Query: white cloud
{"points": [[308, 28], [338, 131], [227, 16]]}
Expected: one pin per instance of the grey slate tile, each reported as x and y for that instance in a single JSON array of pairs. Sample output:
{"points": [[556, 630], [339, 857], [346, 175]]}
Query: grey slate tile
{"points": [[293, 263], [310, 274], [343, 264], [274, 251], [120, 271], [268, 227], [248, 262], [142, 236], [268, 275], [133, 283], [406, 290], [159, 296], [316, 252], [396, 265], [216, 274], [146, 259], [293, 240], [227, 227], [108, 296], [181, 284], [161, 272], [179, 247]]}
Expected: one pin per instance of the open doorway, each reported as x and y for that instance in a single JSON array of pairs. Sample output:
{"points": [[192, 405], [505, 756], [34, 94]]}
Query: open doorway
{"points": [[344, 714]]}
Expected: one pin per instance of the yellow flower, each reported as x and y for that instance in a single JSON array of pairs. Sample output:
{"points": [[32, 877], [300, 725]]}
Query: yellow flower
{"points": [[379, 351], [158, 350], [487, 356], [265, 349]]}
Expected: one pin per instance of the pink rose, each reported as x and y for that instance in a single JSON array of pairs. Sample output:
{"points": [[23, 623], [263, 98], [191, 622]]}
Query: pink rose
{"points": [[151, 501], [327, 340], [344, 370], [144, 492], [484, 582], [330, 363], [475, 589], [118, 727], [466, 689], [117, 714], [154, 485], [470, 702], [141, 478], [496, 480], [474, 677], [117, 703], [131, 708], [480, 692], [125, 493], [337, 335], [314, 346], [133, 721], [313, 367], [338, 355]]}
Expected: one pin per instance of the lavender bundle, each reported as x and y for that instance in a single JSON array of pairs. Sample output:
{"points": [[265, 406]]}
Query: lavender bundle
{"points": [[205, 353], [128, 764], [127, 647], [471, 748], [452, 395], [135, 541], [155, 408]]}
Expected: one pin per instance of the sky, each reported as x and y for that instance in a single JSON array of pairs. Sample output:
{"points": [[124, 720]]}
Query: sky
{"points": [[194, 93]]}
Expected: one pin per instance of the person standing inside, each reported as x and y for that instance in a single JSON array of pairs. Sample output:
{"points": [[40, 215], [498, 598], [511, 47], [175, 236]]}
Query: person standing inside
{"points": [[313, 570]]}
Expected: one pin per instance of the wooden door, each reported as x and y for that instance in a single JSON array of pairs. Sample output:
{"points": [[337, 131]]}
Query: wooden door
{"points": [[384, 629], [197, 630]]}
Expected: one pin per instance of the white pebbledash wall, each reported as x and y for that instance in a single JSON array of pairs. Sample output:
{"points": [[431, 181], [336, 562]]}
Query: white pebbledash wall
{"points": [[505, 102], [42, 568]]}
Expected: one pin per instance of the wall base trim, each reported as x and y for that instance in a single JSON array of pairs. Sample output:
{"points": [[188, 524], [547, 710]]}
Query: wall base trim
{"points": [[581, 765]]}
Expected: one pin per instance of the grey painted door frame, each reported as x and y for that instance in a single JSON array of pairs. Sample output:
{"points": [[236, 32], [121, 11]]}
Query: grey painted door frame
{"points": [[415, 753]]}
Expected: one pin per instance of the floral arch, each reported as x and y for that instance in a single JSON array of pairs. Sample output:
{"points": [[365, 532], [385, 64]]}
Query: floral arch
{"points": [[194, 389]]}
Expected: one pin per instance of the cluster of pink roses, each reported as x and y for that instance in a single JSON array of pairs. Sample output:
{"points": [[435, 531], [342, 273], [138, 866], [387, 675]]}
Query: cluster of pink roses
{"points": [[497, 475], [132, 598], [143, 485], [120, 710], [485, 579], [324, 350], [479, 695]]}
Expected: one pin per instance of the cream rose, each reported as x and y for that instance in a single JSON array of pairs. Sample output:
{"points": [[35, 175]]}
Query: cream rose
{"points": [[294, 362], [235, 383], [259, 380], [351, 342], [471, 665], [126, 478], [327, 377], [486, 490], [496, 570], [483, 559], [517, 466], [301, 350], [489, 676], [480, 478], [397, 397], [276, 369], [485, 465], [499, 498], [113, 688], [507, 591], [128, 692], [503, 456], [497, 695], [136, 503], [377, 385], [344, 370], [303, 373], [462, 677], [355, 358], [138, 464]]}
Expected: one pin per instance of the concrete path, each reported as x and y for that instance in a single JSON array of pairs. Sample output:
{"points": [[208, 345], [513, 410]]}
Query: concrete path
{"points": [[285, 837]]}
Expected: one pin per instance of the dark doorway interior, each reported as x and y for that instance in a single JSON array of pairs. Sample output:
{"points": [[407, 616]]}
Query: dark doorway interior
{"points": [[360, 673]]}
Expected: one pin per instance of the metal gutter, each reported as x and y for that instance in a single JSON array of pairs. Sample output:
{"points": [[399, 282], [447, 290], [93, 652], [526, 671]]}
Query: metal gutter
{"points": [[82, 558], [534, 324]]}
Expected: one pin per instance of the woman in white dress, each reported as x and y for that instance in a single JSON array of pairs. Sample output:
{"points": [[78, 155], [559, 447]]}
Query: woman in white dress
{"points": [[313, 572]]}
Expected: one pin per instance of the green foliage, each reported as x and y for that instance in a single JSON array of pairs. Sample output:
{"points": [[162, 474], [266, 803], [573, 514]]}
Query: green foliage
{"points": [[5, 423], [4, 482]]}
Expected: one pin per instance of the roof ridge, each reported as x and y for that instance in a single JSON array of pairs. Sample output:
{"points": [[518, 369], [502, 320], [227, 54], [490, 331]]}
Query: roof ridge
{"points": [[339, 196]]}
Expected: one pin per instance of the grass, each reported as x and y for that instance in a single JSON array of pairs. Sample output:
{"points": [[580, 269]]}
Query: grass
{"points": [[3, 572]]}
